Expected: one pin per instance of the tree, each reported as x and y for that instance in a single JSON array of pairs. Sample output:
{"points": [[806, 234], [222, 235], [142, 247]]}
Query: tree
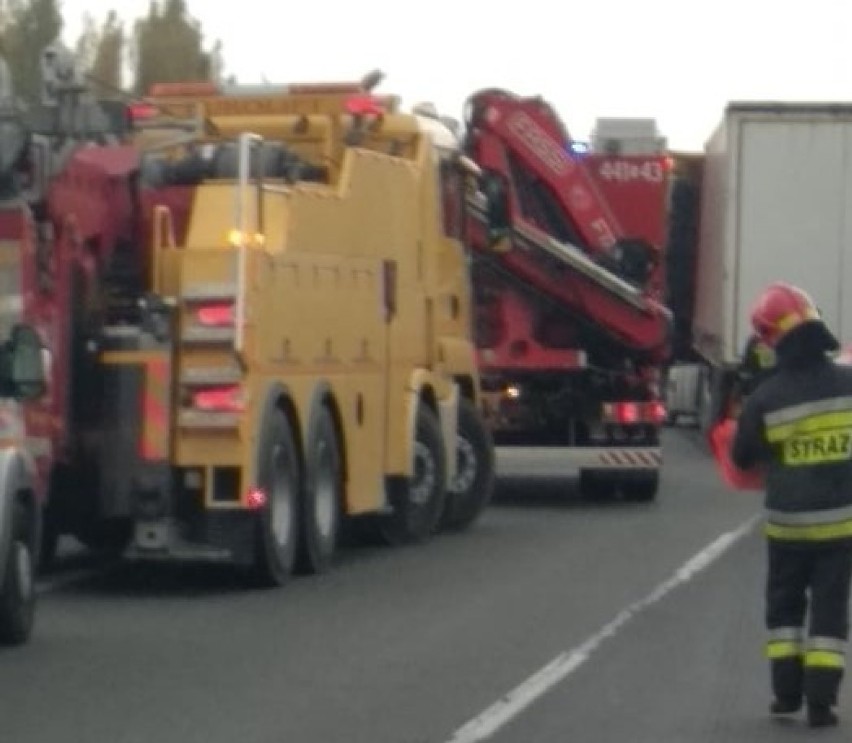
{"points": [[87, 44], [169, 47], [109, 55], [28, 26]]}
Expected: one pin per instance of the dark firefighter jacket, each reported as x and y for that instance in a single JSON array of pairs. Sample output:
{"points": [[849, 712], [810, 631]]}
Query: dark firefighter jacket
{"points": [[798, 424]]}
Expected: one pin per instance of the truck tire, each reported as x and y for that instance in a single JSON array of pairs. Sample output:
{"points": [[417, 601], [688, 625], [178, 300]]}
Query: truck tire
{"points": [[18, 595], [279, 475], [321, 513], [418, 502], [471, 490], [597, 484], [640, 486]]}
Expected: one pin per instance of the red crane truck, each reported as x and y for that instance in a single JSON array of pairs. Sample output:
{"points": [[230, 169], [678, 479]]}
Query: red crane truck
{"points": [[568, 275]]}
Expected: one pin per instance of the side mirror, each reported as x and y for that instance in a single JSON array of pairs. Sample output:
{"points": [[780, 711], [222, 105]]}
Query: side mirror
{"points": [[24, 364]]}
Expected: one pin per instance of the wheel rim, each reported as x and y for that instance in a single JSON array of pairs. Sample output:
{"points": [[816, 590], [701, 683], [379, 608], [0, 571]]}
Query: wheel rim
{"points": [[281, 497], [423, 482], [325, 497], [466, 466], [24, 571]]}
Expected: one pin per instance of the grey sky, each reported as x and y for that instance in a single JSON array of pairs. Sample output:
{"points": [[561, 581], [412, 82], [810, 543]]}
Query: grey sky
{"points": [[678, 61]]}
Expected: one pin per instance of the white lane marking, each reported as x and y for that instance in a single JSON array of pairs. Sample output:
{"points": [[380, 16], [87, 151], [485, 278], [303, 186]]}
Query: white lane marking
{"points": [[512, 704]]}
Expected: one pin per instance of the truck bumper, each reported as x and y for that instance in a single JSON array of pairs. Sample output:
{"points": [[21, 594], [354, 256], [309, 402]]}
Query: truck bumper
{"points": [[220, 537], [615, 458], [533, 459]]}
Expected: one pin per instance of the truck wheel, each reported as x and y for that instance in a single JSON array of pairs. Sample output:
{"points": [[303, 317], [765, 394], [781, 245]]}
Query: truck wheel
{"points": [[418, 502], [471, 489], [641, 486], [279, 476], [18, 595], [323, 498], [597, 484]]}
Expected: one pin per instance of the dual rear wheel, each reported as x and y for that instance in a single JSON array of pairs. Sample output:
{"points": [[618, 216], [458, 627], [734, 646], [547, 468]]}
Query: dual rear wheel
{"points": [[300, 525], [424, 505]]}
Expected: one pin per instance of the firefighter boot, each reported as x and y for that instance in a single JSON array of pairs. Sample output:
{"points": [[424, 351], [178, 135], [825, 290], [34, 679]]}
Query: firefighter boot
{"points": [[786, 706], [788, 685], [821, 716]]}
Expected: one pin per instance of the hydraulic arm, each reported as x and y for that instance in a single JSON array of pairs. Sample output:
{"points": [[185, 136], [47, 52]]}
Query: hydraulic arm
{"points": [[541, 222]]}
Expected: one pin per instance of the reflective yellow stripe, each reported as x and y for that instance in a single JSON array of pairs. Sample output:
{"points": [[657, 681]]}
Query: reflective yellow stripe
{"points": [[824, 659], [801, 410], [809, 518], [810, 424], [810, 532], [777, 650]]}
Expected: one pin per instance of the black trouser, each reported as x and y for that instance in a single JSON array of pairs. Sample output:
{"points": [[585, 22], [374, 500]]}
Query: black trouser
{"points": [[809, 664]]}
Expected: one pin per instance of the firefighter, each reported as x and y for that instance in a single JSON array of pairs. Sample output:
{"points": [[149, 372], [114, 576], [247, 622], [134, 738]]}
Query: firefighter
{"points": [[797, 424]]}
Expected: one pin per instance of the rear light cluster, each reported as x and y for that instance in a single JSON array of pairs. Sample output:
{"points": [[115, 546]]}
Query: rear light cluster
{"points": [[227, 398], [634, 413], [216, 315]]}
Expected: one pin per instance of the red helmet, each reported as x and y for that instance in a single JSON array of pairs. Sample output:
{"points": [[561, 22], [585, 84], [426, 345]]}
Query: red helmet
{"points": [[780, 309]]}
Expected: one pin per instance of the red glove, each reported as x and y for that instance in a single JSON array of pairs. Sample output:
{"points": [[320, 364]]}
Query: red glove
{"points": [[721, 436]]}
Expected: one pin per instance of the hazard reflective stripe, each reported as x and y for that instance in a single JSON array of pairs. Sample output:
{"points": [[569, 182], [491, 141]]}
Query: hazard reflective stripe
{"points": [[627, 458], [809, 533], [810, 518], [812, 433], [795, 413], [779, 649], [794, 634], [812, 424], [824, 659], [831, 644]]}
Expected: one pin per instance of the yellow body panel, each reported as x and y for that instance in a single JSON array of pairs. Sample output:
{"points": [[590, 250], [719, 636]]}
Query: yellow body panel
{"points": [[319, 260]]}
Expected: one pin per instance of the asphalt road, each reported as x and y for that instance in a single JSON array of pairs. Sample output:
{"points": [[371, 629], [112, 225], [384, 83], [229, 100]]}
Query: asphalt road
{"points": [[553, 619]]}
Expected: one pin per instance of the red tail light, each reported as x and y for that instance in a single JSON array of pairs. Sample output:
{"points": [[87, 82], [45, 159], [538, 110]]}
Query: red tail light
{"points": [[658, 411], [220, 399], [630, 413], [216, 315], [626, 412]]}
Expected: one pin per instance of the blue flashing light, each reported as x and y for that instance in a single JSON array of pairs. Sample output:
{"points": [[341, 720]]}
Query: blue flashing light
{"points": [[579, 148]]}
